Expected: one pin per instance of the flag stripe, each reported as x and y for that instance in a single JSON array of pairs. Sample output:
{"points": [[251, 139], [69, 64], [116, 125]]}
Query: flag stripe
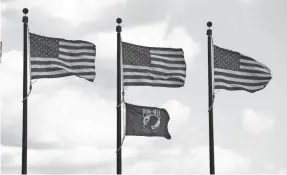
{"points": [[75, 43], [231, 87], [63, 61], [242, 73], [82, 75], [248, 70], [238, 88], [154, 81], [253, 68], [60, 65], [167, 58], [61, 72], [128, 71], [167, 61], [152, 84], [155, 75], [87, 58], [91, 47], [137, 68], [77, 50], [42, 71], [249, 63], [76, 54], [240, 82], [240, 76], [166, 51], [218, 77], [168, 55], [168, 65], [168, 68], [152, 78]]}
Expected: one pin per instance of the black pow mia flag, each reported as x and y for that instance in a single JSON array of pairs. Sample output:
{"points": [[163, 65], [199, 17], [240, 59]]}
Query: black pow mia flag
{"points": [[146, 121]]}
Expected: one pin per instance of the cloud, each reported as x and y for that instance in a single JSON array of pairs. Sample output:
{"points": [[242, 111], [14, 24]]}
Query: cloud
{"points": [[177, 110], [229, 161], [226, 161], [11, 70], [77, 156], [175, 151], [247, 2], [144, 167], [70, 117], [8, 155], [10, 95], [68, 10], [196, 161], [282, 171], [256, 123], [1, 20]]}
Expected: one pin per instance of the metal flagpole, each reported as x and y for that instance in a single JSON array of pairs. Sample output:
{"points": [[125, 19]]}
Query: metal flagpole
{"points": [[25, 99], [210, 101], [119, 107]]}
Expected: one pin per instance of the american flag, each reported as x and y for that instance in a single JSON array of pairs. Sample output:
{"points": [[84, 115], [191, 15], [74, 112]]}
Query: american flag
{"points": [[152, 66], [235, 71], [56, 57]]}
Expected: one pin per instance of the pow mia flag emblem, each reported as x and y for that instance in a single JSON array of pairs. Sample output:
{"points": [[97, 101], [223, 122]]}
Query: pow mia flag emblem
{"points": [[151, 120], [146, 121]]}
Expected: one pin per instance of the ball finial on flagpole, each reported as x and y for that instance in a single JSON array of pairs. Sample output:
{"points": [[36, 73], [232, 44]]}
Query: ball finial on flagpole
{"points": [[119, 28], [119, 20], [209, 24], [209, 31], [25, 11]]}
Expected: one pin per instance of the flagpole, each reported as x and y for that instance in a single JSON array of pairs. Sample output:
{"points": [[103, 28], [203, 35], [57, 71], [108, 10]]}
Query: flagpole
{"points": [[210, 101], [25, 100], [119, 99]]}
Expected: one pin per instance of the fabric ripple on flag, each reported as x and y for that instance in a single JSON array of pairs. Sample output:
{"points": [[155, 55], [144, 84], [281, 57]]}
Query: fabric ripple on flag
{"points": [[235, 71], [57, 57], [152, 66]]}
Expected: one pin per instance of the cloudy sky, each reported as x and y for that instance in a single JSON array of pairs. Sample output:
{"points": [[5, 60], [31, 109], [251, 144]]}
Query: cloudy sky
{"points": [[72, 122]]}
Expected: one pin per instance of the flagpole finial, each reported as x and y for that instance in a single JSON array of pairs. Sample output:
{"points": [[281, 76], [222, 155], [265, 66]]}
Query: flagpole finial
{"points": [[209, 31], [209, 24], [25, 18], [119, 20], [119, 28], [25, 11]]}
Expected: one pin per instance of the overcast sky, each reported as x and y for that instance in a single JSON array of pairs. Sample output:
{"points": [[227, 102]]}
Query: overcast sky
{"points": [[72, 122]]}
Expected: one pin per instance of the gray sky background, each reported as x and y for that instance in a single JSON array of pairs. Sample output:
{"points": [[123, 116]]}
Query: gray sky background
{"points": [[72, 122]]}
